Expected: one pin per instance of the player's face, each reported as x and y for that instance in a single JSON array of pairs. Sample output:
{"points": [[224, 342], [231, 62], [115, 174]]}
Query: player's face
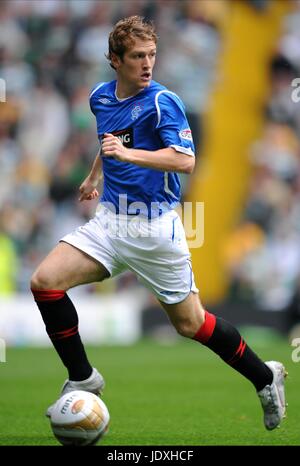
{"points": [[134, 70]]}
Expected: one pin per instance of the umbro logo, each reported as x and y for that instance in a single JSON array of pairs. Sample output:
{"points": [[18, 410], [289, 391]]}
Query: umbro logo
{"points": [[104, 100]]}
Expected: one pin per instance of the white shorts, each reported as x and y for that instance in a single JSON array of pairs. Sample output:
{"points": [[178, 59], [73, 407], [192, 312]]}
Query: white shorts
{"points": [[156, 251]]}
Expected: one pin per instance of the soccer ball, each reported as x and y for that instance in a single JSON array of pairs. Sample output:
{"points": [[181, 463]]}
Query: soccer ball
{"points": [[79, 418]]}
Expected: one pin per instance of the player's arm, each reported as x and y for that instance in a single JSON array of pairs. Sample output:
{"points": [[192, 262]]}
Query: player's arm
{"points": [[167, 159], [88, 189]]}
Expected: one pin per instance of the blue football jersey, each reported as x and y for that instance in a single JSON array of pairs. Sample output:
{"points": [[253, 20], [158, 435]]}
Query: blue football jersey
{"points": [[151, 120]]}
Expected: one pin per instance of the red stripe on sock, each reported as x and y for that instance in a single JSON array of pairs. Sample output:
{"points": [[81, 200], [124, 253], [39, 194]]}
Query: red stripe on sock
{"points": [[207, 328], [64, 333], [238, 354], [48, 295]]}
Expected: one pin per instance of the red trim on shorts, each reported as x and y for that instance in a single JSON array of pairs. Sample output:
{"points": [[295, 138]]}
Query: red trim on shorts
{"points": [[207, 328], [48, 295]]}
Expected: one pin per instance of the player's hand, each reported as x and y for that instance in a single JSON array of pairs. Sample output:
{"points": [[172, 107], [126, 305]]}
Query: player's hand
{"points": [[112, 147], [88, 190]]}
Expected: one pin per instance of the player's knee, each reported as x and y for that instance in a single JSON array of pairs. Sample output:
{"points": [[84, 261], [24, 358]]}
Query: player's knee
{"points": [[187, 328], [41, 281]]}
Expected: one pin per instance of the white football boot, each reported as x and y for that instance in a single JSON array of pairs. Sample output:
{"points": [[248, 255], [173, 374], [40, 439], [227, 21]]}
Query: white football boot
{"points": [[94, 384], [272, 396]]}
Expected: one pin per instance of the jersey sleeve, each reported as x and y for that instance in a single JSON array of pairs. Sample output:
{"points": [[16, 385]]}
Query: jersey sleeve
{"points": [[173, 127], [92, 98]]}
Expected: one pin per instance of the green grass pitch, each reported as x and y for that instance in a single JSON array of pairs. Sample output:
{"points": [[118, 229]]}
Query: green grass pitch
{"points": [[176, 394]]}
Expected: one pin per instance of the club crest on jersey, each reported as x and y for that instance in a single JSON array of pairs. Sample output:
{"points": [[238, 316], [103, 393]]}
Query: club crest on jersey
{"points": [[136, 111], [186, 134], [125, 136]]}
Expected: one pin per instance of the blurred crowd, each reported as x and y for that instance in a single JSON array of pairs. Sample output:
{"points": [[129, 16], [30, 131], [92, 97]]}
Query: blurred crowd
{"points": [[52, 52], [263, 253]]}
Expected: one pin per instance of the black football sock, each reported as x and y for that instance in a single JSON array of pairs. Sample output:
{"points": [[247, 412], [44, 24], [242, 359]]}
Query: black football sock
{"points": [[225, 340], [61, 321]]}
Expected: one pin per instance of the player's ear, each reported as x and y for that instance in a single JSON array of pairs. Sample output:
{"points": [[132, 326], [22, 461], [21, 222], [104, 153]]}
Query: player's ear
{"points": [[115, 61]]}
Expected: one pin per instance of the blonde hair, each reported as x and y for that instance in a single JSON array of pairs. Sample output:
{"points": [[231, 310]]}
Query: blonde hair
{"points": [[124, 33]]}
